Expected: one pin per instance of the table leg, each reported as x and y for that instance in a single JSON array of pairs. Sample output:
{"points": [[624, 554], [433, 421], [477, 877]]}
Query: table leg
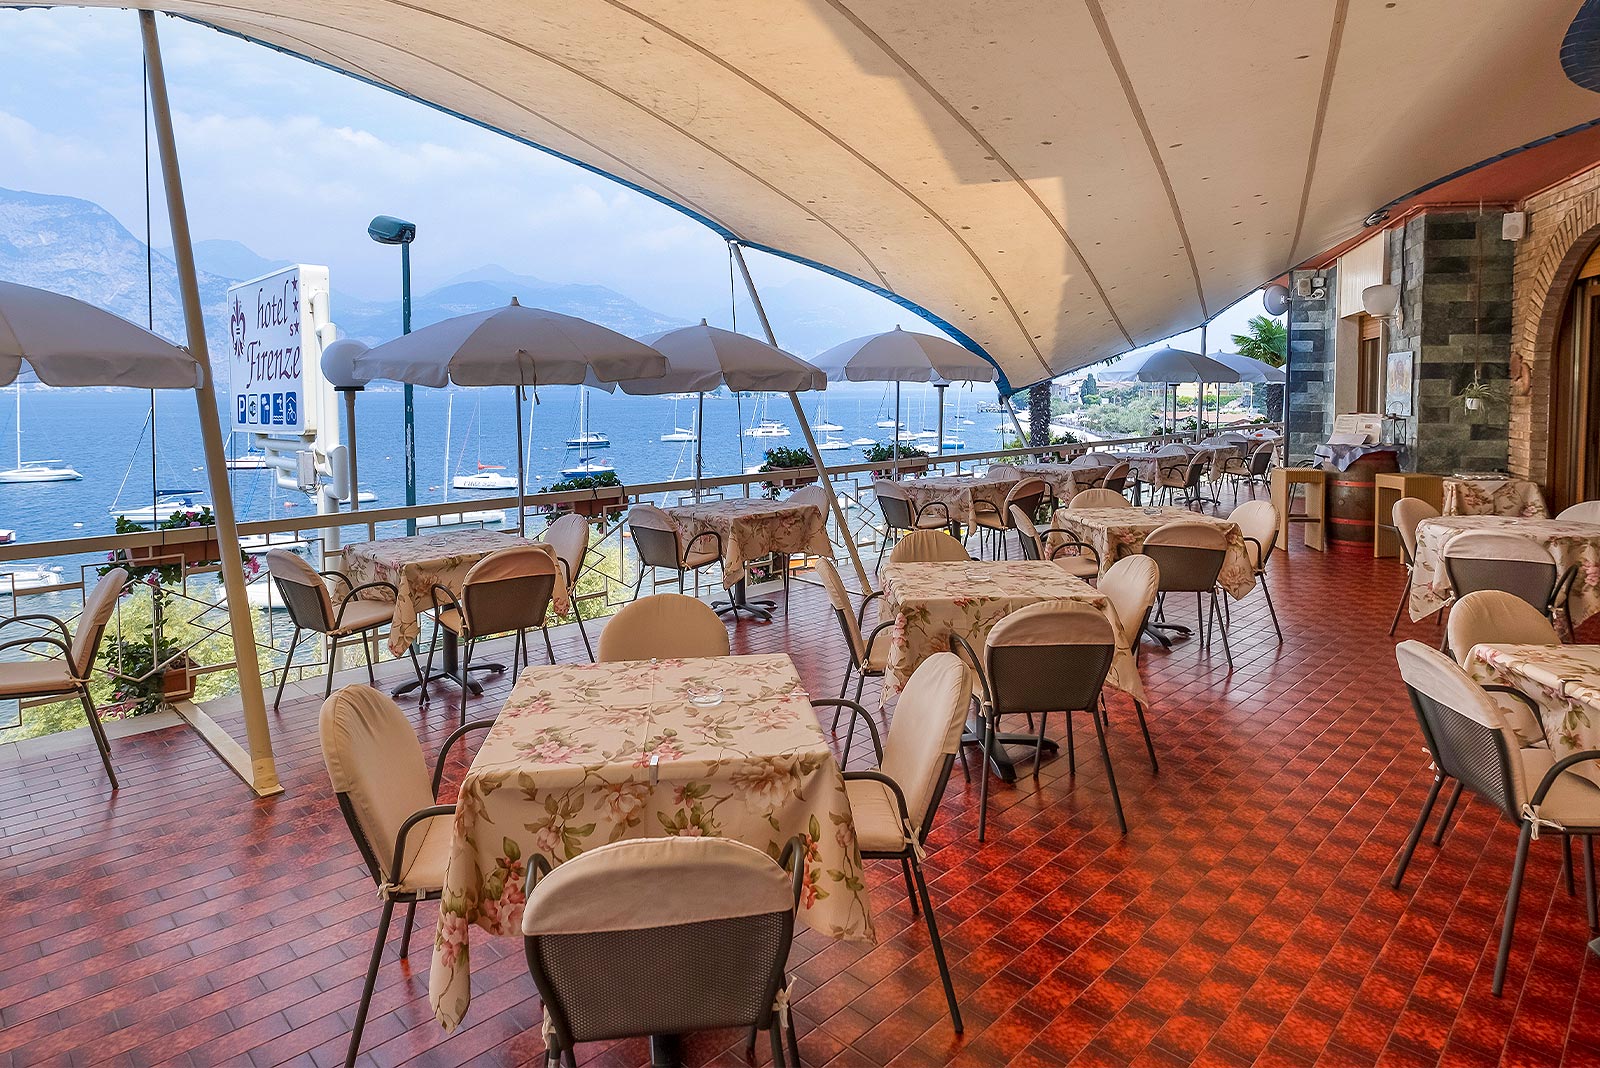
{"points": [[737, 602], [449, 669], [1010, 750]]}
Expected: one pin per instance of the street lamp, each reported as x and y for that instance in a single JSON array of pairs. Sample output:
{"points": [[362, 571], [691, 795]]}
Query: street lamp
{"points": [[387, 230]]}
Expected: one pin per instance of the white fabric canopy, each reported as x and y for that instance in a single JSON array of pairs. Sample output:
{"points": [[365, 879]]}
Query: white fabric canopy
{"points": [[1249, 370], [1166, 366], [1056, 182], [902, 356], [70, 343], [702, 358]]}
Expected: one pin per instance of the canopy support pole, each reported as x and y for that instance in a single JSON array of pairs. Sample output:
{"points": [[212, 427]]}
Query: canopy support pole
{"points": [[894, 451], [257, 768], [1011, 410], [699, 442], [939, 392], [805, 428], [522, 471]]}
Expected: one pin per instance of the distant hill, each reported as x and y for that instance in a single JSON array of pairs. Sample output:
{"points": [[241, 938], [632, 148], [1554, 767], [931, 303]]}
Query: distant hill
{"points": [[230, 259]]}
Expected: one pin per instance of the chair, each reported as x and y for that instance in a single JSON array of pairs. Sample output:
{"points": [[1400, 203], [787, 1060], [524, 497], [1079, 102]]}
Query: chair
{"points": [[1200, 465], [1052, 656], [569, 537], [813, 496], [1060, 545], [1025, 495], [1492, 560], [1258, 522], [506, 592], [655, 936], [1407, 513], [1172, 470], [311, 609], [868, 655], [1129, 587], [70, 672], [1116, 479], [663, 626], [659, 542], [1470, 741], [927, 546], [380, 778], [1495, 616], [1002, 473], [900, 513], [1584, 512], [893, 807], [1099, 498], [1250, 470], [1190, 557]]}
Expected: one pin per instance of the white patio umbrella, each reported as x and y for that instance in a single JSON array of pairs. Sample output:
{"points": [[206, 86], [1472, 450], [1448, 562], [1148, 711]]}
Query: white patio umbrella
{"points": [[702, 358], [904, 356], [70, 343], [1167, 367], [511, 346], [1250, 370]]}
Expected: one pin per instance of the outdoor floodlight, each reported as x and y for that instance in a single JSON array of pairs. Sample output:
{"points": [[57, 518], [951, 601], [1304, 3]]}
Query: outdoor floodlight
{"points": [[387, 230]]}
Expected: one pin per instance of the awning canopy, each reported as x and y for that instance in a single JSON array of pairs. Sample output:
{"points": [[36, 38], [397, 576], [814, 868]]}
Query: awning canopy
{"points": [[1054, 182]]}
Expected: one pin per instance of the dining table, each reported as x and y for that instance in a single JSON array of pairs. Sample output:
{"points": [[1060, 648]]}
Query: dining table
{"points": [[414, 565], [956, 496], [1066, 481], [750, 528], [1493, 495], [586, 754], [1574, 544], [1114, 533], [1563, 681]]}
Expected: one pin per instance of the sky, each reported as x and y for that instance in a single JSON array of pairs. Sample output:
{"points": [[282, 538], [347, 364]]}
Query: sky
{"points": [[292, 160]]}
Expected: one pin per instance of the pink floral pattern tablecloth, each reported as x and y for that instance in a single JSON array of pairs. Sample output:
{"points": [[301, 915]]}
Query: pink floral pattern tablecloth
{"points": [[956, 493], [414, 564], [1563, 680], [1572, 543], [750, 528], [587, 754], [1118, 532], [1500, 496], [1064, 480], [929, 602]]}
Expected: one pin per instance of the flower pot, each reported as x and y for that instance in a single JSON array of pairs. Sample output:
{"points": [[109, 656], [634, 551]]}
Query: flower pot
{"points": [[592, 509], [1472, 403], [190, 553], [793, 483], [914, 467], [178, 680]]}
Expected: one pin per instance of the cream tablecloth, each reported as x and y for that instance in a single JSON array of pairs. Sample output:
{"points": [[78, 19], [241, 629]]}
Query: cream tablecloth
{"points": [[1064, 480], [1498, 496], [957, 493], [1118, 532], [587, 754], [1563, 680], [750, 528], [414, 564], [1572, 543], [929, 602]]}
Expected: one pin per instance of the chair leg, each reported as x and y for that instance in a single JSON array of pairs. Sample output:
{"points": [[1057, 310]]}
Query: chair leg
{"points": [[366, 649], [938, 946], [793, 1041], [1588, 883], [1416, 831], [288, 661], [1227, 650], [1111, 776], [983, 776], [1513, 896], [550, 650], [777, 1045], [466, 686], [102, 743], [582, 633], [333, 660], [405, 935], [1038, 749], [911, 891], [844, 688], [372, 980], [1138, 706], [1072, 749], [1449, 810], [1566, 865], [1405, 595], [1272, 610]]}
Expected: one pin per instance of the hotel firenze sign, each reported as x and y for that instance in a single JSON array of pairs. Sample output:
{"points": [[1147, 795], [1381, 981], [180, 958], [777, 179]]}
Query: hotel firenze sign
{"points": [[273, 351]]}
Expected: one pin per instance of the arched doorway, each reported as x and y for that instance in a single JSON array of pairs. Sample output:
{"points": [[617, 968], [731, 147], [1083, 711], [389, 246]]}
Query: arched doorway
{"points": [[1574, 453]]}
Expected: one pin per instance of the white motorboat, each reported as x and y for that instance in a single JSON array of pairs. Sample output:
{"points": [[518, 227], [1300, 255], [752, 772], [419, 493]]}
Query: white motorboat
{"points": [[487, 478], [167, 503], [7, 536], [30, 578], [588, 467], [35, 470], [257, 544], [864, 441], [832, 444], [767, 428], [489, 517], [889, 424]]}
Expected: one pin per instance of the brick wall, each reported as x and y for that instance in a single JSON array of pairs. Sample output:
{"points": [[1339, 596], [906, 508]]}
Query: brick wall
{"points": [[1311, 338]]}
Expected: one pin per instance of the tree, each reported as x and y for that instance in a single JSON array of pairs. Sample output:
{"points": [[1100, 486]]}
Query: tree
{"points": [[1267, 340], [1089, 388]]}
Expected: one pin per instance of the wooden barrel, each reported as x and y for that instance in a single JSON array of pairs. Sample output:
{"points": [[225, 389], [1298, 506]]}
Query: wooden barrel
{"points": [[1350, 499]]}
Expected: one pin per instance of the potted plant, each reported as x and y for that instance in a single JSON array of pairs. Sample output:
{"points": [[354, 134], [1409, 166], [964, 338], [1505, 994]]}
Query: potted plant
{"points": [[189, 553], [147, 673], [912, 459], [606, 504], [1475, 394], [784, 458]]}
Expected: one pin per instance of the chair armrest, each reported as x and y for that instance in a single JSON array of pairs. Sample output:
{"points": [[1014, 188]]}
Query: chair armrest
{"points": [[1260, 555], [39, 618], [421, 814], [1555, 771], [45, 639], [355, 594], [713, 535], [959, 646], [1072, 542], [449, 601], [879, 629], [861, 613], [930, 506], [338, 576], [855, 710], [444, 750], [1563, 587], [793, 860], [538, 868]]}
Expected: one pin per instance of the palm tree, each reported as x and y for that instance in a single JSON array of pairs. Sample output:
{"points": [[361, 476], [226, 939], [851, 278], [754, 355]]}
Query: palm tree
{"points": [[1267, 340]]}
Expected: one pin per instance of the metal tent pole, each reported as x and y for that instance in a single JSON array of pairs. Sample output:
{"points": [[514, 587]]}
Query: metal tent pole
{"points": [[805, 428], [894, 451], [522, 470], [350, 423], [699, 442], [1011, 410], [939, 392], [257, 768]]}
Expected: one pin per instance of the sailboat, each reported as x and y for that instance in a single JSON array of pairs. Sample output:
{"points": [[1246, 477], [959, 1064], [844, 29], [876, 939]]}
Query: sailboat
{"points": [[35, 470], [486, 479], [679, 433], [823, 423], [832, 444], [765, 427], [586, 439], [487, 517], [587, 467], [167, 503]]}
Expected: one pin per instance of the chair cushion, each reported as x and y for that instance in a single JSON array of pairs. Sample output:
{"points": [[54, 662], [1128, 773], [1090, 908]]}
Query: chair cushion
{"points": [[936, 520], [362, 614], [45, 677], [450, 619], [427, 867], [700, 558], [1080, 564], [1573, 800], [876, 816], [1524, 723], [878, 654]]}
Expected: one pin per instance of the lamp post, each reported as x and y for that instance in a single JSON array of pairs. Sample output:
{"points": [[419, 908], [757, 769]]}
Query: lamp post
{"points": [[387, 230]]}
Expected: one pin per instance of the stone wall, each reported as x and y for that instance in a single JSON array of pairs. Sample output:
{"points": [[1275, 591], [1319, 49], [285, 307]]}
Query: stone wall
{"points": [[1311, 341]]}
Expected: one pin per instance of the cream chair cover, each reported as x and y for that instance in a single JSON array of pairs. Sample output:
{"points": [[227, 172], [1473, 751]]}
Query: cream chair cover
{"points": [[1499, 618], [1099, 498], [1053, 623], [1257, 520], [1002, 473], [1583, 512], [1129, 586], [664, 626], [569, 537], [927, 546], [1496, 545], [1188, 535], [839, 598], [285, 565], [97, 609], [1407, 513]]}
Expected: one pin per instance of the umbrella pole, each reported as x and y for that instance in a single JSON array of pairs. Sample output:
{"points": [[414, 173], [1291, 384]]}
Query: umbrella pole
{"points": [[256, 767], [805, 428], [522, 469], [894, 452], [699, 443], [939, 392]]}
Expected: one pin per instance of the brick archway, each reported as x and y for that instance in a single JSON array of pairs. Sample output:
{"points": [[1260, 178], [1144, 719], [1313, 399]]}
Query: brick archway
{"points": [[1545, 271]]}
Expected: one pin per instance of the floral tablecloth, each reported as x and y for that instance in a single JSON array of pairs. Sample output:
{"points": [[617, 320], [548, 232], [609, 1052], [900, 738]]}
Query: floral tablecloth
{"points": [[1118, 532], [957, 493], [587, 754], [750, 528], [1066, 481], [1498, 496], [414, 564], [931, 601], [1572, 543], [1563, 680]]}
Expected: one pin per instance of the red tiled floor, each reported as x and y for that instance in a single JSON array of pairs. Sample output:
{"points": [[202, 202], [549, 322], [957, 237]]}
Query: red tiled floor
{"points": [[1244, 919]]}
